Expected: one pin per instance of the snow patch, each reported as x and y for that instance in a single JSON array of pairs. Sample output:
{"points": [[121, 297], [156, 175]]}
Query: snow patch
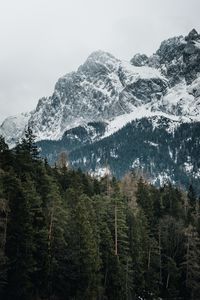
{"points": [[181, 100], [188, 167], [100, 172], [136, 163], [151, 143], [162, 179], [140, 112], [113, 153], [134, 73]]}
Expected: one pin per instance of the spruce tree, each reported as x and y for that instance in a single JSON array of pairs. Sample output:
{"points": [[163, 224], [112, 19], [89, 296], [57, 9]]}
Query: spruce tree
{"points": [[4, 209], [82, 254], [19, 244], [191, 264]]}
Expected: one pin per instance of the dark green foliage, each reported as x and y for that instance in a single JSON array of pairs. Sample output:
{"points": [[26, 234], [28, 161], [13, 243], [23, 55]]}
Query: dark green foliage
{"points": [[3, 232], [19, 244], [65, 235]]}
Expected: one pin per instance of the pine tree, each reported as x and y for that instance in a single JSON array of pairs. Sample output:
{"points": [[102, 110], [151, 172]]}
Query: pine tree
{"points": [[192, 205], [3, 236], [129, 187], [191, 264], [106, 243], [19, 244], [83, 255], [119, 230], [5, 154], [28, 143], [144, 199], [145, 257], [56, 223], [39, 275], [171, 232], [27, 150], [3, 145]]}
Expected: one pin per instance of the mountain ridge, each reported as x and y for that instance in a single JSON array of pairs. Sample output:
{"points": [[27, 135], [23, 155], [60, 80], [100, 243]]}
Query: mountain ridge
{"points": [[107, 95], [104, 87]]}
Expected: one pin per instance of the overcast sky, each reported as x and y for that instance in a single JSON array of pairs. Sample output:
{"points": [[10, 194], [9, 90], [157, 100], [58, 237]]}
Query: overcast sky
{"points": [[41, 40]]}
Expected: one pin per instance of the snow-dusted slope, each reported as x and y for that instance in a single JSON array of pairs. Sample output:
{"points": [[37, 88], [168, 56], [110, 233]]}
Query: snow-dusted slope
{"points": [[181, 100], [144, 112]]}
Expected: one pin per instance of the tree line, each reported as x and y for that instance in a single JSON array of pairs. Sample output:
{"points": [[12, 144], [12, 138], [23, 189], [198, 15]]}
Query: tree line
{"points": [[67, 235]]}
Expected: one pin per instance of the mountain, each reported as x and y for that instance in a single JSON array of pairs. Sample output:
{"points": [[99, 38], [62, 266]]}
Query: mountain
{"points": [[13, 127], [139, 114], [101, 89]]}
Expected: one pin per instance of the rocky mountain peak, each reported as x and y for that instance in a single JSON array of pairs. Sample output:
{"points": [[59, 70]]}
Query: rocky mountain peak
{"points": [[101, 56], [193, 35], [105, 87], [140, 60], [99, 61]]}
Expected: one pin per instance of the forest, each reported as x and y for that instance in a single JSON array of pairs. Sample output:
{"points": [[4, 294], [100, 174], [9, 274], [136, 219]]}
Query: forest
{"points": [[67, 235]]}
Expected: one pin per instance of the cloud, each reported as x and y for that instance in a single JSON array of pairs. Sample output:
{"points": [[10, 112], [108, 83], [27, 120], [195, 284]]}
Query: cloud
{"points": [[43, 39]]}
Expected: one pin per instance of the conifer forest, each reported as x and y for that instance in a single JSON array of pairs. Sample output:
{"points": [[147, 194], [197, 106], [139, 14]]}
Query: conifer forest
{"points": [[67, 235]]}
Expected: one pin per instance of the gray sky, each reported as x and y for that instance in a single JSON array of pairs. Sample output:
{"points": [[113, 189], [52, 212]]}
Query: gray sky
{"points": [[41, 40]]}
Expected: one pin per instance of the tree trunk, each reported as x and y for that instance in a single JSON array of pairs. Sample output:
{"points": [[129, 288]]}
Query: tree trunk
{"points": [[116, 242], [160, 258]]}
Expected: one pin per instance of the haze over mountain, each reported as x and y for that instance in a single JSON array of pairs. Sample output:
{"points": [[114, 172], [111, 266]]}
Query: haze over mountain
{"points": [[42, 40]]}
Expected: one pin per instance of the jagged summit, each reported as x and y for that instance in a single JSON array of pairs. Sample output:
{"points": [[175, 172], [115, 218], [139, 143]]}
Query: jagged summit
{"points": [[192, 35], [100, 55], [99, 60], [140, 60], [139, 114]]}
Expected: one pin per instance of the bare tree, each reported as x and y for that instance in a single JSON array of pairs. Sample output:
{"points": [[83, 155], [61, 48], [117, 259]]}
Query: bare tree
{"points": [[63, 160]]}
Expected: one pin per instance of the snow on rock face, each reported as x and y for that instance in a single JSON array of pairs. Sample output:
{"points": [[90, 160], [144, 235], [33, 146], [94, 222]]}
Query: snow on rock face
{"points": [[188, 167], [144, 111], [194, 88], [106, 89], [100, 172], [181, 100], [133, 73], [140, 60], [79, 97], [178, 58], [162, 178], [99, 61], [101, 89]]}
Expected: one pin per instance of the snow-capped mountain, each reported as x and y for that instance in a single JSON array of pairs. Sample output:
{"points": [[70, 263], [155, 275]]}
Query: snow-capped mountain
{"points": [[13, 127], [106, 94], [105, 87], [101, 89]]}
